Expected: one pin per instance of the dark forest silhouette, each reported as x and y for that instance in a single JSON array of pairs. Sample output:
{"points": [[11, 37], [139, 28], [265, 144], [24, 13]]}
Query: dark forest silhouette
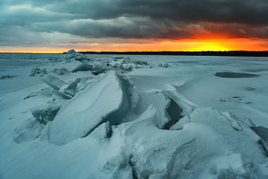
{"points": [[204, 53]]}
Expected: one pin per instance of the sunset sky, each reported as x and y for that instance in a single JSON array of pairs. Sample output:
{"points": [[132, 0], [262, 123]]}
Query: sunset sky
{"points": [[133, 25]]}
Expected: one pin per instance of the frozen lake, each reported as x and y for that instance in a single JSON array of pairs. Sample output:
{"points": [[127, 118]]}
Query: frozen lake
{"points": [[132, 116], [245, 97]]}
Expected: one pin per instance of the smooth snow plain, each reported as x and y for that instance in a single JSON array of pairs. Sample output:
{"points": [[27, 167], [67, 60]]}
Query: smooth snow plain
{"points": [[131, 116]]}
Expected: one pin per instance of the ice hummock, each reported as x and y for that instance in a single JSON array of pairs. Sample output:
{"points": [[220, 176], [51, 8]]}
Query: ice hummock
{"points": [[201, 149], [106, 99], [73, 55]]}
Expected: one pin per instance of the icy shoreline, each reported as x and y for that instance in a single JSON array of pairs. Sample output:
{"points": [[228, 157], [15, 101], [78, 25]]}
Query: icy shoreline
{"points": [[123, 117]]}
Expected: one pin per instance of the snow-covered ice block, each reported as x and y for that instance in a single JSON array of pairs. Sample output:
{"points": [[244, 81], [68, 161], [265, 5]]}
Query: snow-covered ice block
{"points": [[180, 123], [62, 89], [102, 132], [168, 112], [230, 136], [139, 62], [46, 113], [38, 71], [116, 62], [99, 67], [53, 82], [83, 67], [72, 54], [6, 76], [157, 100], [80, 57], [72, 51], [106, 99], [186, 105], [70, 89], [61, 71], [264, 146], [84, 82], [164, 65], [261, 131]]}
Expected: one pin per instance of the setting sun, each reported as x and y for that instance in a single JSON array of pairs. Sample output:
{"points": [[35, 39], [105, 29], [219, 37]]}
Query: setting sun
{"points": [[209, 47]]}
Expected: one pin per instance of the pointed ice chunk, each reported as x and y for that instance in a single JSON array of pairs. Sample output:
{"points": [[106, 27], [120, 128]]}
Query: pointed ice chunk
{"points": [[106, 99]]}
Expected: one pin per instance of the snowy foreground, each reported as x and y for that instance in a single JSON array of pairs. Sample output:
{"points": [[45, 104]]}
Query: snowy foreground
{"points": [[110, 116]]}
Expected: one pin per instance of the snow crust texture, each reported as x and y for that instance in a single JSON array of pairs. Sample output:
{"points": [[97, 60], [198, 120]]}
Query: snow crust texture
{"points": [[120, 117]]}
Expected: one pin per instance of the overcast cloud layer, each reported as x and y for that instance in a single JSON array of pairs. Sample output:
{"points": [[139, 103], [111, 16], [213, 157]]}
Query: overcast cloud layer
{"points": [[139, 19]]}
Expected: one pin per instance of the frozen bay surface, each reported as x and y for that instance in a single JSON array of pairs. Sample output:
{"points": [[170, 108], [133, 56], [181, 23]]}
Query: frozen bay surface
{"points": [[176, 116]]}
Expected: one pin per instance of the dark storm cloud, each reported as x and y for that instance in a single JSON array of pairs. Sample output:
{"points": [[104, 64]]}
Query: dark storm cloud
{"points": [[238, 31], [253, 12], [121, 27], [156, 19]]}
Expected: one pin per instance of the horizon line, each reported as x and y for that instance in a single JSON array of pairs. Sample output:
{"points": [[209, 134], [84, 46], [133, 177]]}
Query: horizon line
{"points": [[164, 51]]}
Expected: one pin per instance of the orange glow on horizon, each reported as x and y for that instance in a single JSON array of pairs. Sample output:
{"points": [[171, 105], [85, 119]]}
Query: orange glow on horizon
{"points": [[159, 45]]}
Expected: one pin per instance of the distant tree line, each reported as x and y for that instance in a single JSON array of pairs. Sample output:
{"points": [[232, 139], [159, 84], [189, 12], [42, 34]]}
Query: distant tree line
{"points": [[204, 53]]}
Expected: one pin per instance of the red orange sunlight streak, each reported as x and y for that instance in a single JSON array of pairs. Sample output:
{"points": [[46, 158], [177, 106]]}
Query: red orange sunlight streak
{"points": [[159, 45]]}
